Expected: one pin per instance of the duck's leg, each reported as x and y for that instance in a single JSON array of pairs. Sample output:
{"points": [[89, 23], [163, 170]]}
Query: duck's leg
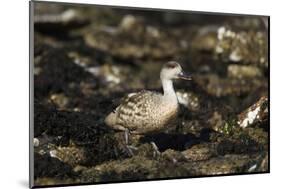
{"points": [[129, 148], [126, 135], [156, 151]]}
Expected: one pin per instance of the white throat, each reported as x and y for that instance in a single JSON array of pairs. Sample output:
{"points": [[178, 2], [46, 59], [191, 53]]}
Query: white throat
{"points": [[168, 89]]}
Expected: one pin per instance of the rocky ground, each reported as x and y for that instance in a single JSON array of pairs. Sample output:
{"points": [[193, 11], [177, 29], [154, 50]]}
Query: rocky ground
{"points": [[87, 58]]}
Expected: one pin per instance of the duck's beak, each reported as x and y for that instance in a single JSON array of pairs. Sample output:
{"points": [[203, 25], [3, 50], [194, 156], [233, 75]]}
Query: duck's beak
{"points": [[184, 76]]}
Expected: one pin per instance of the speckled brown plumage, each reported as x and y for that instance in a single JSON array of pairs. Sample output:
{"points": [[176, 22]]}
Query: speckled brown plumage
{"points": [[143, 112], [146, 111]]}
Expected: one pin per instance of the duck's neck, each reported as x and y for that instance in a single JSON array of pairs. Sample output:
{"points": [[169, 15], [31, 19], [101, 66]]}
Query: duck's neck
{"points": [[168, 89]]}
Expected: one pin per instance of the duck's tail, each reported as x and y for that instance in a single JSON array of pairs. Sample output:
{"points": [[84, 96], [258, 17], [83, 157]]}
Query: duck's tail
{"points": [[110, 120]]}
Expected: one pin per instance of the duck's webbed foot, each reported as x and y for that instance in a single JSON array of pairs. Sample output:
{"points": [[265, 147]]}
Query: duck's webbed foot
{"points": [[130, 149], [156, 152]]}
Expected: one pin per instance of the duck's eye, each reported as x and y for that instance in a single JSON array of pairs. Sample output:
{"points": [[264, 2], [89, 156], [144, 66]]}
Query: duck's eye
{"points": [[171, 65]]}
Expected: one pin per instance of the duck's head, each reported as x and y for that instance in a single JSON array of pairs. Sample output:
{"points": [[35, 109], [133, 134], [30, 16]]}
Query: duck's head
{"points": [[173, 70]]}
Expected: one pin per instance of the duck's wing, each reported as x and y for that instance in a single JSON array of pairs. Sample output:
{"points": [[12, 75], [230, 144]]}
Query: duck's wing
{"points": [[136, 107], [127, 98], [112, 118]]}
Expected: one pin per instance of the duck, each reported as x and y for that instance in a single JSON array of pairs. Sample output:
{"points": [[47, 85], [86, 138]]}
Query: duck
{"points": [[148, 112]]}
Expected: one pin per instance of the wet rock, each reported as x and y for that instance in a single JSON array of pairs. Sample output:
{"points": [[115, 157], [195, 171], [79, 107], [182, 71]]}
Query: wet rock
{"points": [[140, 42], [259, 135], [80, 60], [264, 164], [36, 142], [43, 44], [128, 169], [244, 46], [57, 72], [217, 122], [96, 143], [219, 87], [243, 146], [72, 155], [135, 168], [145, 150], [46, 166], [59, 22], [199, 152], [239, 71], [60, 100], [227, 164], [110, 74], [174, 141], [255, 23], [188, 100], [173, 156], [130, 23], [257, 113], [49, 181], [205, 40], [135, 26]]}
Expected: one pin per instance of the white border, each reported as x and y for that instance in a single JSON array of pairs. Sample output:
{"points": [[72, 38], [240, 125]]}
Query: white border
{"points": [[14, 90]]}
